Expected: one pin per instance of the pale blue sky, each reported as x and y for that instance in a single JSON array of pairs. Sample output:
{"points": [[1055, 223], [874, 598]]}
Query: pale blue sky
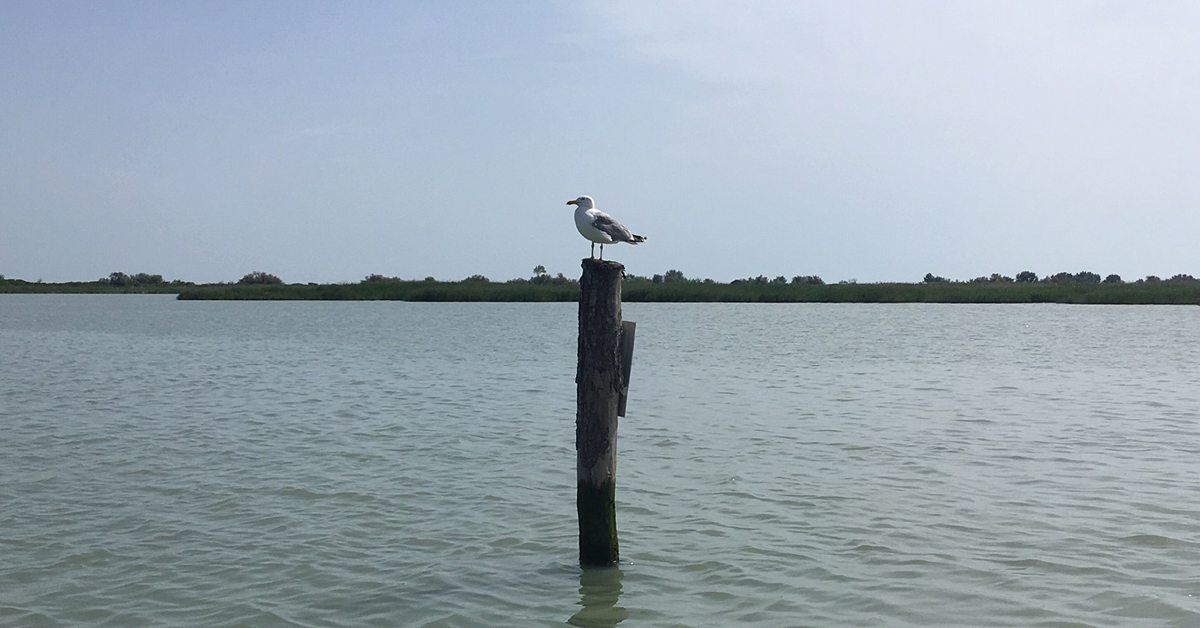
{"points": [[324, 141]]}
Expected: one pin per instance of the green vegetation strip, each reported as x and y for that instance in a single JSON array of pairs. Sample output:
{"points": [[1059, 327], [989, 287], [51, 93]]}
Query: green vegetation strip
{"points": [[638, 289], [387, 291]]}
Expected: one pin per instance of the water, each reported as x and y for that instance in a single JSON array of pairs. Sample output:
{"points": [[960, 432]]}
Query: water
{"points": [[171, 463]]}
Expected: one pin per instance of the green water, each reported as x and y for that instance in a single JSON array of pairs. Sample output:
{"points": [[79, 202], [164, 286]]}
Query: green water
{"points": [[171, 463]]}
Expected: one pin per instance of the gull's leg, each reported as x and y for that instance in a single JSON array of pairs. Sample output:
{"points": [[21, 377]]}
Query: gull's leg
{"points": [[602, 250], [593, 253]]}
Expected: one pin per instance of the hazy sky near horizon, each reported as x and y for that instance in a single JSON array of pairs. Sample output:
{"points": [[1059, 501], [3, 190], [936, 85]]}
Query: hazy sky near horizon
{"points": [[325, 141]]}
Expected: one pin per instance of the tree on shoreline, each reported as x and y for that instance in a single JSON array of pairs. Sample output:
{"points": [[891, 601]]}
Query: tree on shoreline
{"points": [[120, 279], [258, 277]]}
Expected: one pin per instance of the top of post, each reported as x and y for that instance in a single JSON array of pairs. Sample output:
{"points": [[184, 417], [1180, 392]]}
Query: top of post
{"points": [[602, 265]]}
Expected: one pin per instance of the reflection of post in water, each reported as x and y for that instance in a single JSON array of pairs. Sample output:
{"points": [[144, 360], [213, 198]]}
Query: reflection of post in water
{"points": [[599, 591]]}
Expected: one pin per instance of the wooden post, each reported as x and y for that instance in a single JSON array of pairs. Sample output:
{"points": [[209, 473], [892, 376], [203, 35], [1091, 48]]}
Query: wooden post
{"points": [[598, 387]]}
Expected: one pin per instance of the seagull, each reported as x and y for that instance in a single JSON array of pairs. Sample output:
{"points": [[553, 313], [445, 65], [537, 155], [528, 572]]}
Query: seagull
{"points": [[599, 227]]}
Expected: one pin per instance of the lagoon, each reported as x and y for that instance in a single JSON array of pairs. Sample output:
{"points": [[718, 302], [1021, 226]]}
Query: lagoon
{"points": [[190, 463]]}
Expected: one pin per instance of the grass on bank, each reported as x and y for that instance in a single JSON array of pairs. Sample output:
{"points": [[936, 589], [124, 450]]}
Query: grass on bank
{"points": [[20, 286], [386, 291], [639, 290]]}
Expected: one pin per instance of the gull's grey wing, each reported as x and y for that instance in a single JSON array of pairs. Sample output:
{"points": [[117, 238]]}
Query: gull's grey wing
{"points": [[615, 230]]}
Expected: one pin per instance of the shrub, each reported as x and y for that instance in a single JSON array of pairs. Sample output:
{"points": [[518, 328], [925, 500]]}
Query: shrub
{"points": [[994, 278], [117, 279], [260, 278], [122, 280]]}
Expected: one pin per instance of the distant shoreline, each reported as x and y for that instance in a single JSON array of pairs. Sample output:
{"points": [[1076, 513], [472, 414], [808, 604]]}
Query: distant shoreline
{"points": [[642, 290]]}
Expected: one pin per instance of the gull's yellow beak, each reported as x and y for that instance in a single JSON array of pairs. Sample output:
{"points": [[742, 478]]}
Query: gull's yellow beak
{"points": [[572, 203]]}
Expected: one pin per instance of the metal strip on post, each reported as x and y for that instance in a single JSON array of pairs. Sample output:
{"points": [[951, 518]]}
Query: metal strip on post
{"points": [[628, 331]]}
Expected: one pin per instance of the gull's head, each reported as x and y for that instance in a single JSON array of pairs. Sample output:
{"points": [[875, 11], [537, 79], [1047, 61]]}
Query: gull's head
{"points": [[584, 202]]}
